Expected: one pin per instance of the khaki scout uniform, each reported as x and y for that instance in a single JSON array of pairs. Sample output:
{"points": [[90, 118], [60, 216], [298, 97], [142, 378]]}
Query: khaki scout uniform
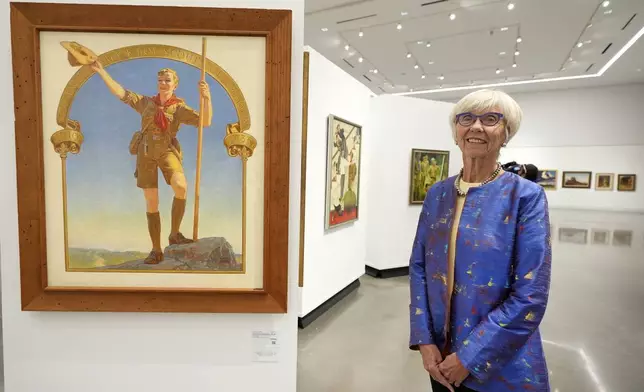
{"points": [[157, 148]]}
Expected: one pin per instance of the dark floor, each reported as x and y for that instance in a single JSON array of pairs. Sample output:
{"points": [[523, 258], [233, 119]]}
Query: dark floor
{"points": [[593, 330]]}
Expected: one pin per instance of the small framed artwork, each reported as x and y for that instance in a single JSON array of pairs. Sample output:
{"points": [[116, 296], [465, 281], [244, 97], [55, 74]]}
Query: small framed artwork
{"points": [[576, 179], [342, 172], [626, 182], [600, 237], [573, 236], [623, 238], [427, 168], [604, 181], [548, 179]]}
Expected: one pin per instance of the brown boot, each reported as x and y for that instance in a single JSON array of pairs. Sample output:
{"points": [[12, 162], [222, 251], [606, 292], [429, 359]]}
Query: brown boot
{"points": [[179, 239], [155, 257]]}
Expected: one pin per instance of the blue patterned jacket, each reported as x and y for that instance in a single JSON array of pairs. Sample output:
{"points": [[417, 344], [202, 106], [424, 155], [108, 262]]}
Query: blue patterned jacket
{"points": [[501, 281]]}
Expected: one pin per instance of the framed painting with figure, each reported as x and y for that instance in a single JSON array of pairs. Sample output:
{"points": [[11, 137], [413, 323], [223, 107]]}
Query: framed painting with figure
{"points": [[626, 182], [548, 179], [577, 179], [427, 168], [604, 181], [160, 194], [342, 172]]}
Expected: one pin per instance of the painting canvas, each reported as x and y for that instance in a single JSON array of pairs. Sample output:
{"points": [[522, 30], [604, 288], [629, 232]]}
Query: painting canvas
{"points": [[604, 181], [626, 182], [427, 168], [159, 168], [343, 172], [547, 179], [573, 235], [600, 237], [580, 180]]}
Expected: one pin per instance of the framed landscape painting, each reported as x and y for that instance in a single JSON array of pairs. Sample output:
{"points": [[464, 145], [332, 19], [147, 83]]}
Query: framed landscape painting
{"points": [[427, 168], [580, 180], [548, 179], [160, 193], [342, 172], [626, 182], [604, 181]]}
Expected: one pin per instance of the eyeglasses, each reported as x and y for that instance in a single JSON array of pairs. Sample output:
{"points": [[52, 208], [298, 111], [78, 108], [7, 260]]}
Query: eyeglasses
{"points": [[488, 119]]}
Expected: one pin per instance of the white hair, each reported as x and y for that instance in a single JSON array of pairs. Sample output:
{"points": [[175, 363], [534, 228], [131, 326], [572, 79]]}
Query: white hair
{"points": [[483, 100]]}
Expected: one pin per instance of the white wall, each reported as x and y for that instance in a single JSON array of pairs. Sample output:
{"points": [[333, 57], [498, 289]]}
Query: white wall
{"points": [[101, 352], [399, 124], [593, 129], [334, 259]]}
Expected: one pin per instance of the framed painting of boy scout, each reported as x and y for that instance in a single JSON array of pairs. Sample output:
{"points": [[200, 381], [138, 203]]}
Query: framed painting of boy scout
{"points": [[152, 157]]}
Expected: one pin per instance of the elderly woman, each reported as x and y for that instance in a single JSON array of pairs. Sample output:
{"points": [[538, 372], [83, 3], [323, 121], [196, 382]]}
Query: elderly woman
{"points": [[480, 265]]}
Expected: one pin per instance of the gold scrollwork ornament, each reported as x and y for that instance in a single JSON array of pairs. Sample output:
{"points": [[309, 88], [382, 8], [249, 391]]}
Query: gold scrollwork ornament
{"points": [[238, 143], [67, 140]]}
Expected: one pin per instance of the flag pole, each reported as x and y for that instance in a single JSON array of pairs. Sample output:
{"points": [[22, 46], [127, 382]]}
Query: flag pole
{"points": [[202, 103]]}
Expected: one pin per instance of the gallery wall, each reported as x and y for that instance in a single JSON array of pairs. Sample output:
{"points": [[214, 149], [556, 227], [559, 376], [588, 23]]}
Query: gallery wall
{"points": [[333, 258], [399, 124], [101, 352], [592, 129]]}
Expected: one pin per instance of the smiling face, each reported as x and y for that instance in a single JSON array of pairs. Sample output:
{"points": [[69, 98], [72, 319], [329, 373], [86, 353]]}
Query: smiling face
{"points": [[477, 140], [167, 81]]}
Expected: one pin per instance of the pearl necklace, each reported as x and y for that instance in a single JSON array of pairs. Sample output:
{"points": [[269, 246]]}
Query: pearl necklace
{"points": [[460, 192]]}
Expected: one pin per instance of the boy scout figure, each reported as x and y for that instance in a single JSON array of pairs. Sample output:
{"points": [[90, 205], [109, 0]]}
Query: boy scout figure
{"points": [[157, 148]]}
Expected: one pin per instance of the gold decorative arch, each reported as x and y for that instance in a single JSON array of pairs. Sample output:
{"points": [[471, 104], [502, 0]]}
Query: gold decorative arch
{"points": [[70, 138]]}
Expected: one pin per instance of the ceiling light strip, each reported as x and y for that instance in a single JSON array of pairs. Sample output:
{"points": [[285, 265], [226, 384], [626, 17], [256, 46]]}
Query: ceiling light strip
{"points": [[612, 61]]}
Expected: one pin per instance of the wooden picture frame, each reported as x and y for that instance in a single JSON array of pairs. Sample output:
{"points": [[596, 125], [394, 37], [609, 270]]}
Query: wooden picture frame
{"points": [[345, 205], [626, 182], [416, 194], [28, 20], [548, 179], [569, 179]]}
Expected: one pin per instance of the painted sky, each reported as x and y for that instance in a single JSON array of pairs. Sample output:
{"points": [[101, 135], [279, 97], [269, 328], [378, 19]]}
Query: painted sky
{"points": [[106, 209]]}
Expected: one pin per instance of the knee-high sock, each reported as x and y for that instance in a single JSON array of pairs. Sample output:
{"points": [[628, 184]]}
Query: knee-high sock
{"points": [[178, 209], [154, 227]]}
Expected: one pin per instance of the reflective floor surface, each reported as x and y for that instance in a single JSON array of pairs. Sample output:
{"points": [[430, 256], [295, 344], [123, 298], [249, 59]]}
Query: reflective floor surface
{"points": [[593, 328]]}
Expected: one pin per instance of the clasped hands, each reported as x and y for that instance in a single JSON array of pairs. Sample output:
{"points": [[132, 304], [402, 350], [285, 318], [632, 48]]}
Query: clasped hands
{"points": [[447, 372]]}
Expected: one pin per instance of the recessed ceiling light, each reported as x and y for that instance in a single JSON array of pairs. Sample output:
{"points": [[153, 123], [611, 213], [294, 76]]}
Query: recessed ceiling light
{"points": [[514, 65], [411, 89], [430, 62], [423, 77], [360, 34], [452, 16], [360, 59], [606, 3], [324, 29], [416, 66], [375, 70], [589, 25], [504, 29], [519, 40], [608, 12], [502, 53], [580, 44], [639, 70], [404, 13], [440, 86], [428, 44], [441, 77], [347, 47], [420, 42], [498, 71], [408, 55], [517, 53], [510, 6], [399, 26]]}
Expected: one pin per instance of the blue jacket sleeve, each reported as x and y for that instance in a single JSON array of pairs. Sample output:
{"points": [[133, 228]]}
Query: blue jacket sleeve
{"points": [[494, 342], [419, 316]]}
